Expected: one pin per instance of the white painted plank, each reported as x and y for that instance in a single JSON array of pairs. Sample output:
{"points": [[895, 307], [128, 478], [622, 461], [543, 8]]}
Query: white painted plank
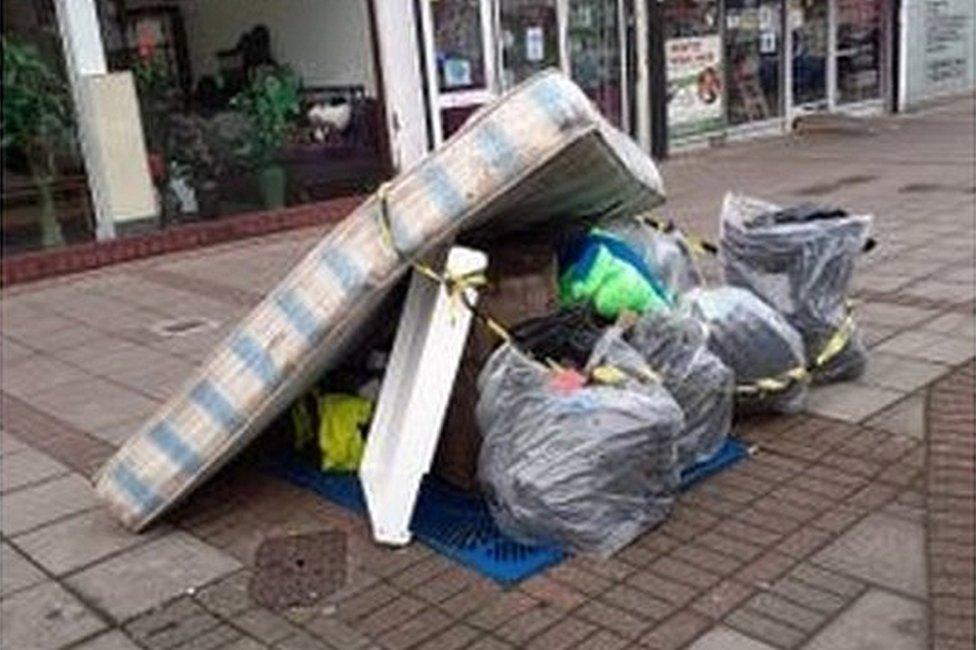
{"points": [[413, 399]]}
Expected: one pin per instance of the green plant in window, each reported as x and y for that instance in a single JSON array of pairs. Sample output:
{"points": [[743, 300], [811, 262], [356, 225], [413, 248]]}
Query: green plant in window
{"points": [[270, 104], [36, 119]]}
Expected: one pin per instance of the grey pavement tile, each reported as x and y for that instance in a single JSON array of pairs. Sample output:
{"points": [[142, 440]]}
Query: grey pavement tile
{"points": [[113, 640], [93, 402], [143, 577], [12, 352], [45, 617], [10, 445], [117, 434], [892, 315], [16, 571], [953, 292], [882, 550], [40, 372], [849, 401], [874, 334], [930, 346], [724, 638], [71, 543], [27, 467], [34, 506], [878, 619], [906, 417], [953, 324], [900, 373]]}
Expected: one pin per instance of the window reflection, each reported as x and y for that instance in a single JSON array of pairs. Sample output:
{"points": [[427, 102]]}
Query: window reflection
{"points": [[858, 50]]}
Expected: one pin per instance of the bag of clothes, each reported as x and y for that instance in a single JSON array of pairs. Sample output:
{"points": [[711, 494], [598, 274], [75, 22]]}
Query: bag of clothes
{"points": [[801, 261], [666, 252], [676, 348], [566, 461], [603, 270], [761, 348]]}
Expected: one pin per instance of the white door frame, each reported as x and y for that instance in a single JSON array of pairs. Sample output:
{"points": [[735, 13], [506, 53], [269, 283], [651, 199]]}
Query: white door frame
{"points": [[403, 87], [439, 101]]}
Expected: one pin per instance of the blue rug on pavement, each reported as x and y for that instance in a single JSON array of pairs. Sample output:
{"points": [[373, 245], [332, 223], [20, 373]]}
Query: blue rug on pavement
{"points": [[457, 524]]}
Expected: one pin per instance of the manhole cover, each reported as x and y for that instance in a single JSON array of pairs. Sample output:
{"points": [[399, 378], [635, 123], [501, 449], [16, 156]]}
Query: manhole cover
{"points": [[298, 570], [183, 326]]}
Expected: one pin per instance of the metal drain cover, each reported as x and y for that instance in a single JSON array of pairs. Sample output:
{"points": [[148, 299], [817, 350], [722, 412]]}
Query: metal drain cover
{"points": [[298, 570], [183, 326]]}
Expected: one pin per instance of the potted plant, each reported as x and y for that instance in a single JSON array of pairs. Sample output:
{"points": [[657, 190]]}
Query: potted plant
{"points": [[270, 105], [37, 120], [195, 155]]}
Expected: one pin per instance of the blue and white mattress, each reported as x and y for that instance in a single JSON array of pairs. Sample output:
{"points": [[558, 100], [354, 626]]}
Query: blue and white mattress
{"points": [[539, 155]]}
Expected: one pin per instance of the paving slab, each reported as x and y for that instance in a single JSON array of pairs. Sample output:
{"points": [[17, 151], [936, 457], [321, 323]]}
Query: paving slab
{"points": [[900, 373], [27, 467], [850, 402], [724, 638], [93, 402], [37, 505], [930, 346], [906, 417], [892, 315], [72, 543], [16, 571], [882, 550], [878, 619], [953, 324], [45, 617], [148, 575], [113, 640]]}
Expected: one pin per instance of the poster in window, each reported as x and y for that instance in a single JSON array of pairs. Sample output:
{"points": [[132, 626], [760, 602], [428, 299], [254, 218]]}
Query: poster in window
{"points": [[535, 44], [695, 91]]}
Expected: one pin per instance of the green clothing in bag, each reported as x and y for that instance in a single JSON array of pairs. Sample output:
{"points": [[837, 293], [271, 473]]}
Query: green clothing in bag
{"points": [[612, 283]]}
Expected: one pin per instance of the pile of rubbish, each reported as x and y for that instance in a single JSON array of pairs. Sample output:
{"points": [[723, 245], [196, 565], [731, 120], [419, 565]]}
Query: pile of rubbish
{"points": [[584, 417], [571, 378]]}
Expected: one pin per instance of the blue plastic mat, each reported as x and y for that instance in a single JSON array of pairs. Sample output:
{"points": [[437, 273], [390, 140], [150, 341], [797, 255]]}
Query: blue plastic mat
{"points": [[457, 524]]}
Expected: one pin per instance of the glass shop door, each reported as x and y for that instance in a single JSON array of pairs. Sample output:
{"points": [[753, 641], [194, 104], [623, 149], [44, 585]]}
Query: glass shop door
{"points": [[476, 49]]}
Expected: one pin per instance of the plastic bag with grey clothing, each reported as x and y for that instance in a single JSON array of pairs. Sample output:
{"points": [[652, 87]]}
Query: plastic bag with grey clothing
{"points": [[756, 343], [587, 468], [801, 261], [676, 347]]}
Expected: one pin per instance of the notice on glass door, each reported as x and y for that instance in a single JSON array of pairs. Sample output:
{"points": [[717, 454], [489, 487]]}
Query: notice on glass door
{"points": [[695, 90], [535, 45]]}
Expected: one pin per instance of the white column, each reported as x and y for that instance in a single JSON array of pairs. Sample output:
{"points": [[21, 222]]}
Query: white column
{"points": [[84, 55], [643, 81], [403, 87]]}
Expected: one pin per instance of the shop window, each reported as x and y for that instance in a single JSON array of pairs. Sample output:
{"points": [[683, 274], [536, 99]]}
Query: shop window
{"points": [[529, 38], [695, 67], [809, 22], [753, 52], [45, 197], [250, 105], [858, 50], [595, 54], [459, 45]]}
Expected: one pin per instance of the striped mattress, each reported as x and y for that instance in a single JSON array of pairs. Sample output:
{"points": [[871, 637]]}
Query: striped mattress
{"points": [[539, 155]]}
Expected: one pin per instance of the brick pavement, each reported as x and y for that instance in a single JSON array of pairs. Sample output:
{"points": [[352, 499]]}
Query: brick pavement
{"points": [[851, 525]]}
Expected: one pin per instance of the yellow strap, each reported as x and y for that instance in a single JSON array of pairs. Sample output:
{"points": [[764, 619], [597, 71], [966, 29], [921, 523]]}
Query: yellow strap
{"points": [[837, 342]]}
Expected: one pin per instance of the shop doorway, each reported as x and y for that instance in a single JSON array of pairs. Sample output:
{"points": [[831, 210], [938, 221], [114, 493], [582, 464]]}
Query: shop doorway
{"points": [[476, 49], [735, 68]]}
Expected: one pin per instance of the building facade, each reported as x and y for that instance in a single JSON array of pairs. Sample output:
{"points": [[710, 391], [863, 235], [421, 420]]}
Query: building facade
{"points": [[193, 110]]}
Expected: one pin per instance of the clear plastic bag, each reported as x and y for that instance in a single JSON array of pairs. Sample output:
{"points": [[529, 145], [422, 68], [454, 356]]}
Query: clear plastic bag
{"points": [[800, 261], [755, 342], [676, 347], [587, 469], [667, 254]]}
